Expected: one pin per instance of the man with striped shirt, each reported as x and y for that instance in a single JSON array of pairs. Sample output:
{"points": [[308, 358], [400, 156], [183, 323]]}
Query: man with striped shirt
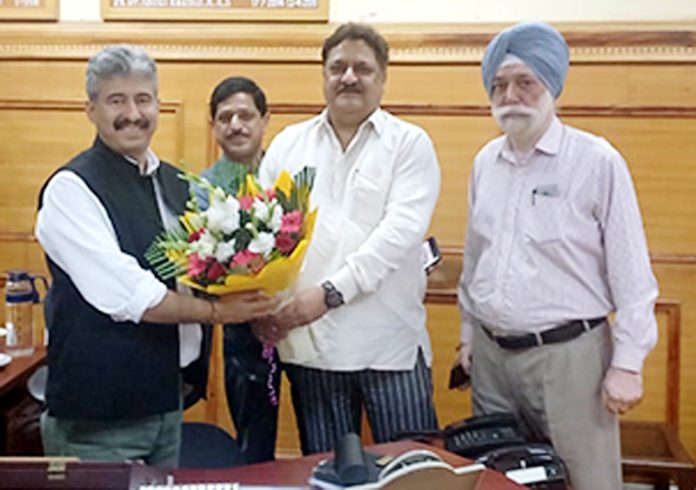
{"points": [[554, 244]]}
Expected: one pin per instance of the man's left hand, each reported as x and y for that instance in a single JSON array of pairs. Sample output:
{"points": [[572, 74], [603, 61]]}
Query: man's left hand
{"points": [[622, 390], [305, 307]]}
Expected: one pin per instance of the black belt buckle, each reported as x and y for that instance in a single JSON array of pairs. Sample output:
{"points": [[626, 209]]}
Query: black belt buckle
{"points": [[561, 333]]}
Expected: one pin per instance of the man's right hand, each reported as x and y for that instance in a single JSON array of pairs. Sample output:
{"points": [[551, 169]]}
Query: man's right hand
{"points": [[243, 307], [463, 359], [267, 331]]}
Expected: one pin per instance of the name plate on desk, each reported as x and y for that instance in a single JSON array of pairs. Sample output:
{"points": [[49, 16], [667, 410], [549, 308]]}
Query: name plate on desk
{"points": [[53, 473], [217, 10]]}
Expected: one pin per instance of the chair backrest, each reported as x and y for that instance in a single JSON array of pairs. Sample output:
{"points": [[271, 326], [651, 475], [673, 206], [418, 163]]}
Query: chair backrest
{"points": [[207, 446], [661, 370]]}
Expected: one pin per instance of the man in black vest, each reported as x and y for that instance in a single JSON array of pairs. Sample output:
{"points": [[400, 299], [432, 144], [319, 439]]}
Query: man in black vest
{"points": [[118, 335]]}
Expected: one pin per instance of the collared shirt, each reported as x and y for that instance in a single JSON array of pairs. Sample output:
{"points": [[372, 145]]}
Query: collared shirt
{"points": [[558, 237], [73, 224], [375, 201]]}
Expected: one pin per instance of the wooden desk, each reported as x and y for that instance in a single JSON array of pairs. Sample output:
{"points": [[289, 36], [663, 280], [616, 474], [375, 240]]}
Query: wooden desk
{"points": [[16, 373], [296, 471], [19, 412]]}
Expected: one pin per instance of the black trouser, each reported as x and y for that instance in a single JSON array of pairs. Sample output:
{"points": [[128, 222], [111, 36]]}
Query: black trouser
{"points": [[246, 384]]}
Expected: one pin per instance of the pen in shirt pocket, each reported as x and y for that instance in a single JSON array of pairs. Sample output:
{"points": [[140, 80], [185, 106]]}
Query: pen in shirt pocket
{"points": [[550, 190]]}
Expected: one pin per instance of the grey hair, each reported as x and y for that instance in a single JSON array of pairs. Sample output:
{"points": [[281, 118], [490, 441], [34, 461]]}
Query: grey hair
{"points": [[119, 60]]}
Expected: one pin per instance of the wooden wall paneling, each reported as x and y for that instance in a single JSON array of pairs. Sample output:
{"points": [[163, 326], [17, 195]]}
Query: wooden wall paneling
{"points": [[660, 153], [42, 135]]}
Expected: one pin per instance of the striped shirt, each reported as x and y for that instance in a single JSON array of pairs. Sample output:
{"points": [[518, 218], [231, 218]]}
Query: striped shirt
{"points": [[555, 238]]}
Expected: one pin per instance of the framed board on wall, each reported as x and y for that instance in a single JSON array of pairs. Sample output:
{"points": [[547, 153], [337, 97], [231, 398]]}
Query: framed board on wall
{"points": [[28, 10], [216, 10]]}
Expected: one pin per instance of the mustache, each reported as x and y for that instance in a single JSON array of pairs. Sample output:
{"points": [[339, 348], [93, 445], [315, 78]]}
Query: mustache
{"points": [[350, 89], [513, 110], [123, 122]]}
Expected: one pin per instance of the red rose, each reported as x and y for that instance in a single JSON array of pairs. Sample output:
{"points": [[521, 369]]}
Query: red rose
{"points": [[285, 242], [195, 235], [215, 271]]}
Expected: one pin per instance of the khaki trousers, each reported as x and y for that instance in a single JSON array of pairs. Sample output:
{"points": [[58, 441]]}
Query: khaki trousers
{"points": [[154, 439], [556, 390]]}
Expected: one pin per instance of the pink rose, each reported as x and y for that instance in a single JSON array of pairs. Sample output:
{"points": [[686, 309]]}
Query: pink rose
{"points": [[242, 258], [291, 222], [196, 265], [285, 242], [245, 202]]}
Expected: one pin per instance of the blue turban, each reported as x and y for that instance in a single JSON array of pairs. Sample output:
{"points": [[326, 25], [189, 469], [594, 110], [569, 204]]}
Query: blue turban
{"points": [[538, 45]]}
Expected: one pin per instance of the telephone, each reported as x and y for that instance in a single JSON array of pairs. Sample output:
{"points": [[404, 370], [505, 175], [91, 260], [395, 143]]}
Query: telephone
{"points": [[535, 465], [476, 436]]}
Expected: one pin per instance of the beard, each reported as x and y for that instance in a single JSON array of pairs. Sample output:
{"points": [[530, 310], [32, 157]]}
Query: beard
{"points": [[525, 121]]}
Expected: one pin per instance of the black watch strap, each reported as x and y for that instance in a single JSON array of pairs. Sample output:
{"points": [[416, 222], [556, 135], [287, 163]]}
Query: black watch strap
{"points": [[332, 296]]}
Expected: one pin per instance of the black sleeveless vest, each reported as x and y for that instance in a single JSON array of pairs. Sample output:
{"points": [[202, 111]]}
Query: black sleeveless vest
{"points": [[100, 368]]}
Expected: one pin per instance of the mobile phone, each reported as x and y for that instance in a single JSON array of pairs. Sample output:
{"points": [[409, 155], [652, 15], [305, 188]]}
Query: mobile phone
{"points": [[430, 254], [458, 377]]}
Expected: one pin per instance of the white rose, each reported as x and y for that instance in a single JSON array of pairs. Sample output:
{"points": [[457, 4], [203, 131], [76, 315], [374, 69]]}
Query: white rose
{"points": [[262, 210], [224, 251], [223, 215], [205, 245], [263, 243]]}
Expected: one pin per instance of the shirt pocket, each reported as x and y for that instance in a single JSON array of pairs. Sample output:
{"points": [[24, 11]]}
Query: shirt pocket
{"points": [[544, 222], [366, 201]]}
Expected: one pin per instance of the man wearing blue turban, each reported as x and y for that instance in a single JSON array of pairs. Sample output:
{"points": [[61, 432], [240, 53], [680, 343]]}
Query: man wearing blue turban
{"points": [[554, 244]]}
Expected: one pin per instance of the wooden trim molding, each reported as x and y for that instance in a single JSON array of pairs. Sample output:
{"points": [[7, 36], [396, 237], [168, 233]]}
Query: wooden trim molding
{"points": [[455, 110], [444, 280], [662, 112], [595, 43]]}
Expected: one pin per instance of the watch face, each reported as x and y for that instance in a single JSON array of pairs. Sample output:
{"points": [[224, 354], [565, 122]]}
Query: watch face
{"points": [[332, 296]]}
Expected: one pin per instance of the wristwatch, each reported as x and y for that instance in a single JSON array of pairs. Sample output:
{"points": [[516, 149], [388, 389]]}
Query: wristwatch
{"points": [[332, 296]]}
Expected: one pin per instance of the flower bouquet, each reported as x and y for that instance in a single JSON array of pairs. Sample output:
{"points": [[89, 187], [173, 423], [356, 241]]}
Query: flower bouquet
{"points": [[247, 238]]}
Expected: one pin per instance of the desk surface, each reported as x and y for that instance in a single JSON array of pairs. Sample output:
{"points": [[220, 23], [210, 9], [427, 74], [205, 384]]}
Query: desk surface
{"points": [[19, 370], [297, 471]]}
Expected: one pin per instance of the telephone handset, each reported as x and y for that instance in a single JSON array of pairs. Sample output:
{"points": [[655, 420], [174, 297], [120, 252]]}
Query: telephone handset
{"points": [[475, 436], [535, 465]]}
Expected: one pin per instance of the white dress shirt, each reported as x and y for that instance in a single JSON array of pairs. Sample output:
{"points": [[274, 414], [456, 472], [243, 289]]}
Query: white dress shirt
{"points": [[375, 202], [557, 238], [75, 231]]}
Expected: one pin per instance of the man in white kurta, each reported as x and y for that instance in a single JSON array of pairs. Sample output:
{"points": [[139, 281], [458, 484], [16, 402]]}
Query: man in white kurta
{"points": [[358, 335]]}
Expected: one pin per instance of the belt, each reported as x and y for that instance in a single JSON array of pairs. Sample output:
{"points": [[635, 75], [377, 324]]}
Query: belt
{"points": [[560, 333]]}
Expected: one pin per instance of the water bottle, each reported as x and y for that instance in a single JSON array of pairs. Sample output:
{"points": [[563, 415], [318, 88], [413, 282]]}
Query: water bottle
{"points": [[20, 297]]}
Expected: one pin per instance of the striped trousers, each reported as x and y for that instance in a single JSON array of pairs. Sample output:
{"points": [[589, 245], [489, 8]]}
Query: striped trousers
{"points": [[329, 404]]}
